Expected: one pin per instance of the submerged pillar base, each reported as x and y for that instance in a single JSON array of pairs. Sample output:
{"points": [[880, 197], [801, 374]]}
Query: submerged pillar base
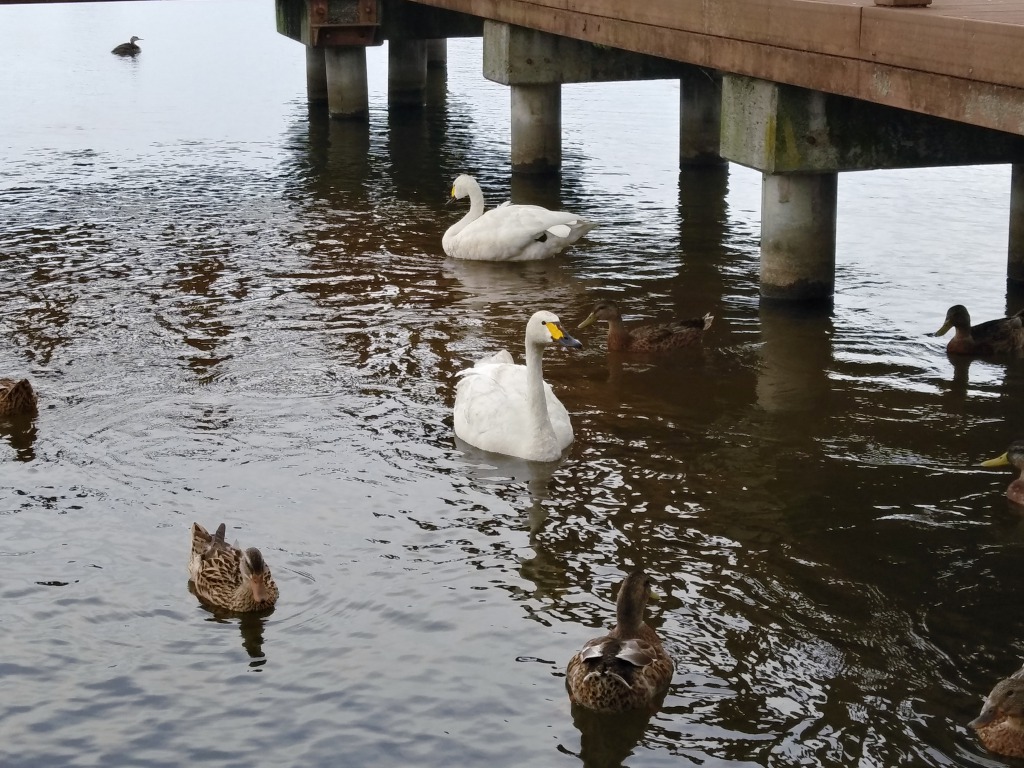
{"points": [[316, 75], [700, 119], [1015, 251], [798, 236], [347, 94], [407, 73], [536, 128]]}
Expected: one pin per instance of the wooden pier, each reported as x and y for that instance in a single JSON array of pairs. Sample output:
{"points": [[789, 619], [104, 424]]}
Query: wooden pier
{"points": [[801, 90]]}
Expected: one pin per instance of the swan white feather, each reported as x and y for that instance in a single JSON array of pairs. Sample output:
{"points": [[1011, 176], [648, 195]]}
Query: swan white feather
{"points": [[507, 408], [510, 232]]}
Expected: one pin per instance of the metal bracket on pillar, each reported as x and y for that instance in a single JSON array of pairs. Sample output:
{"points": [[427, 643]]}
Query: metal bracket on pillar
{"points": [[334, 23]]}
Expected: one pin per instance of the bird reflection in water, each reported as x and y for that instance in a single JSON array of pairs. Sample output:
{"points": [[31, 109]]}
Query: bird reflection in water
{"points": [[20, 432], [608, 739], [250, 624]]}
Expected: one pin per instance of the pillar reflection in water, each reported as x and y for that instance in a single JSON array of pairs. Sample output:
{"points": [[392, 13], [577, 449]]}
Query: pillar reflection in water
{"points": [[795, 353]]}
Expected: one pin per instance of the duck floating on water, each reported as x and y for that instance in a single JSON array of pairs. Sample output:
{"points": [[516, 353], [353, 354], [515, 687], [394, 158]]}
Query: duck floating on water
{"points": [[1000, 726], [1014, 457], [662, 337], [17, 398], [1004, 336], [226, 577], [127, 49], [509, 232], [628, 668]]}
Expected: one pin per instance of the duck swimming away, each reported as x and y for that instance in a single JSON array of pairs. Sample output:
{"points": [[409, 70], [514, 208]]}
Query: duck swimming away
{"points": [[127, 49], [628, 668], [17, 398]]}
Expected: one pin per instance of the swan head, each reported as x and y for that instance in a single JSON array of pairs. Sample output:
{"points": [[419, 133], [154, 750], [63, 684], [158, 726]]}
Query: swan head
{"points": [[462, 186], [545, 328]]}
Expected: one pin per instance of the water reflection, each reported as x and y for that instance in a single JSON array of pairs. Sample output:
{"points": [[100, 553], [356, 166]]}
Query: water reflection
{"points": [[608, 740], [20, 432], [795, 356], [250, 625]]}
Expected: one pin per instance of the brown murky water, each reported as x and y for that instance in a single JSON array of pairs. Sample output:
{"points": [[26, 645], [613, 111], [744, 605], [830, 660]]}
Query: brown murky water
{"points": [[238, 310]]}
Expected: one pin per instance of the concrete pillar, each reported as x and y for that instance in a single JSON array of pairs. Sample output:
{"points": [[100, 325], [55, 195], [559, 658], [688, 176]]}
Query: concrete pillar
{"points": [[347, 94], [700, 119], [407, 73], [536, 128], [316, 75], [437, 53], [1015, 252], [798, 235]]}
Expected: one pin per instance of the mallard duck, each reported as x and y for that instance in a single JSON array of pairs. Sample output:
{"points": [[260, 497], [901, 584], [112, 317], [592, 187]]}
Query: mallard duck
{"points": [[1004, 336], [647, 338], [1000, 726], [507, 408], [1014, 456], [17, 398], [226, 577], [127, 49], [627, 668], [509, 232]]}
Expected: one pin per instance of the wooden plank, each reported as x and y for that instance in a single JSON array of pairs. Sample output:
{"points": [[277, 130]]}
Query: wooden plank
{"points": [[670, 14], [974, 50], [821, 27]]}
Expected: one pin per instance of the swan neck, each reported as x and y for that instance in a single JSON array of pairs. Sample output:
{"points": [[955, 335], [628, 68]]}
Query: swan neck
{"points": [[476, 210], [536, 399]]}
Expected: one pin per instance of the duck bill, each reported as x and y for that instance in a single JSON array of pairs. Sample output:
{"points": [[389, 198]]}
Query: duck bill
{"points": [[589, 321], [998, 461], [945, 327], [561, 337], [987, 717], [259, 589]]}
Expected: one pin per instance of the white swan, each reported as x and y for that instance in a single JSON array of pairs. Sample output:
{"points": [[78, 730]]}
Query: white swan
{"points": [[508, 232], [507, 408]]}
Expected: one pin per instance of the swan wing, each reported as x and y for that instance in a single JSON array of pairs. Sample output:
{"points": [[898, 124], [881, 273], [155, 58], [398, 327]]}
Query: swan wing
{"points": [[490, 406], [491, 413]]}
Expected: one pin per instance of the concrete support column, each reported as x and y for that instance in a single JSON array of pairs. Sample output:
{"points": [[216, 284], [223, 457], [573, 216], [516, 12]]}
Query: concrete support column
{"points": [[536, 128], [437, 53], [798, 235], [347, 94], [1015, 252], [700, 119], [407, 73], [316, 75]]}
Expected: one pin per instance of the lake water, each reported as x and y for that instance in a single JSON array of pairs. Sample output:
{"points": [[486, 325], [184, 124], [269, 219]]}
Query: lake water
{"points": [[236, 309]]}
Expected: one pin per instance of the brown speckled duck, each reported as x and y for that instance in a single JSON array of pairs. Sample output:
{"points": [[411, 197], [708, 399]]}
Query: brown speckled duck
{"points": [[17, 398], [1014, 456], [627, 668], [225, 577], [647, 338], [1004, 336], [1000, 726]]}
